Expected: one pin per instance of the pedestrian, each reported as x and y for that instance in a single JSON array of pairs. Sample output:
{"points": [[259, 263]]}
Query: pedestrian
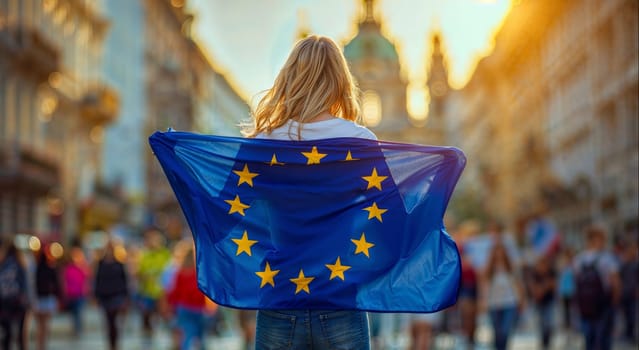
{"points": [[543, 285], [567, 287], [48, 292], [13, 296], [502, 294], [153, 260], [598, 289], [76, 278], [629, 273], [422, 329], [167, 280], [111, 291], [189, 303], [246, 319], [313, 97], [468, 299]]}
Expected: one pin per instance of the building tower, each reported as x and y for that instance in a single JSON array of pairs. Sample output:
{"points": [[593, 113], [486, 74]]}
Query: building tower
{"points": [[374, 63], [437, 85]]}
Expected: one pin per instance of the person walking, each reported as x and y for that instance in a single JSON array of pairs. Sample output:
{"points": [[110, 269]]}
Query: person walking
{"points": [[76, 277], [598, 289], [13, 296], [111, 291], [313, 97], [48, 292], [153, 260], [543, 286], [566, 287], [468, 299], [189, 304], [502, 294], [629, 273]]}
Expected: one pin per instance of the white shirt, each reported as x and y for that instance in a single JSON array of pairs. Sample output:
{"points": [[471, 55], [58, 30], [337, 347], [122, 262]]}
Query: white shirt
{"points": [[501, 290], [324, 129]]}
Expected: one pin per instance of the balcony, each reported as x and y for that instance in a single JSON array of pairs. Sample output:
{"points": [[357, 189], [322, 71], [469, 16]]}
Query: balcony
{"points": [[100, 105], [23, 169], [30, 51]]}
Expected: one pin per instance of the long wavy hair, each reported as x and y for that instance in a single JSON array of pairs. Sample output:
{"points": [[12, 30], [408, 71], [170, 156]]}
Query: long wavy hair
{"points": [[315, 79]]}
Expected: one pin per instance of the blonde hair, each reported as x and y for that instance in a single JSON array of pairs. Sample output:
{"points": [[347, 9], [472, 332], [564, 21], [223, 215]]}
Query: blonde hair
{"points": [[315, 79]]}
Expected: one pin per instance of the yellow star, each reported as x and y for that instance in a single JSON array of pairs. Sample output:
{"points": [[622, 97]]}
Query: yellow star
{"points": [[244, 244], [337, 269], [313, 156], [349, 156], [274, 161], [374, 211], [267, 275], [374, 180], [361, 246], [302, 282], [237, 206], [245, 176]]}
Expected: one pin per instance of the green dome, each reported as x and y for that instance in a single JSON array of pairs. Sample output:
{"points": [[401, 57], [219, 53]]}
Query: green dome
{"points": [[370, 44]]}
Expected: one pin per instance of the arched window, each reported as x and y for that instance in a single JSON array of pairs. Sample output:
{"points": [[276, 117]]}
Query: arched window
{"points": [[371, 108]]}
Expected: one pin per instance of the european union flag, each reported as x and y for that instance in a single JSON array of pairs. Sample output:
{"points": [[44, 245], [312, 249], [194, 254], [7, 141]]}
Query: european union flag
{"points": [[342, 223]]}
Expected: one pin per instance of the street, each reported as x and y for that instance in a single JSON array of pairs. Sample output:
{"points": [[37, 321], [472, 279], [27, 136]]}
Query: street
{"points": [[131, 338]]}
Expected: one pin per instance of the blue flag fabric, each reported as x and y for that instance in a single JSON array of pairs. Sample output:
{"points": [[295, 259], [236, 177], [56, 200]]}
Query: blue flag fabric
{"points": [[342, 223]]}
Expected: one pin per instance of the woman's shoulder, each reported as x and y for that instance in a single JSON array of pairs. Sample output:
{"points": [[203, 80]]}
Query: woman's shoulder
{"points": [[352, 129]]}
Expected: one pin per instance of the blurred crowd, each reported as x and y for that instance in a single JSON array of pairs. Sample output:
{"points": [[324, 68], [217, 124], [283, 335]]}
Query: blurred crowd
{"points": [[590, 291], [588, 294], [155, 278]]}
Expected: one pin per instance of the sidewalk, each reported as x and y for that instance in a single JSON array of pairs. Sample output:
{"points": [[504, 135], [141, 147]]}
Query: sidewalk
{"points": [[94, 337], [131, 338]]}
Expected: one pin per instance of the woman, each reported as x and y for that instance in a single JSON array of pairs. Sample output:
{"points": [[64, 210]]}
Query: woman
{"points": [[48, 291], [313, 97], [543, 285], [76, 276], [189, 303], [468, 293], [13, 296], [502, 294], [111, 291]]}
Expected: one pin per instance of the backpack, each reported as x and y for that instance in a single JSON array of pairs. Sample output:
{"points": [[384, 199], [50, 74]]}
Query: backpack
{"points": [[592, 298]]}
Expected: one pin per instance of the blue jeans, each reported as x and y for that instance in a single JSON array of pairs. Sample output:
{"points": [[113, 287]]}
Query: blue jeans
{"points": [[75, 307], [191, 323], [312, 329], [504, 321], [598, 332], [546, 322]]}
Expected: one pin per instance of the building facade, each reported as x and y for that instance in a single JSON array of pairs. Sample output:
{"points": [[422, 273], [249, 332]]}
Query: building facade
{"points": [[375, 65], [54, 109], [220, 107], [183, 91], [125, 145], [549, 119]]}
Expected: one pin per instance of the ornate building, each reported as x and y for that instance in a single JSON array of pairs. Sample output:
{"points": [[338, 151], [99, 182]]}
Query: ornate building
{"points": [[549, 119], [375, 64], [438, 88], [54, 106]]}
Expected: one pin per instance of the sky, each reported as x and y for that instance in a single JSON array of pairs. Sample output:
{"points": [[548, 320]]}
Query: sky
{"points": [[249, 40]]}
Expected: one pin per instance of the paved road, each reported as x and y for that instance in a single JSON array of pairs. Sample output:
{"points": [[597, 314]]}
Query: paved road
{"points": [[132, 339]]}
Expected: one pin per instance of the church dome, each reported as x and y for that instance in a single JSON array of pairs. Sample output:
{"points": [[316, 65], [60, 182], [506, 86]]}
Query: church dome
{"points": [[370, 43]]}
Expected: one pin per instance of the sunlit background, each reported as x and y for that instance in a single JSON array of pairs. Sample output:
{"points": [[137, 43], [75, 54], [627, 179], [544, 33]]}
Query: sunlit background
{"points": [[541, 95]]}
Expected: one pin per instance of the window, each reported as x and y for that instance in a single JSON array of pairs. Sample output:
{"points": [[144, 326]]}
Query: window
{"points": [[371, 108], [3, 109], [10, 109]]}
